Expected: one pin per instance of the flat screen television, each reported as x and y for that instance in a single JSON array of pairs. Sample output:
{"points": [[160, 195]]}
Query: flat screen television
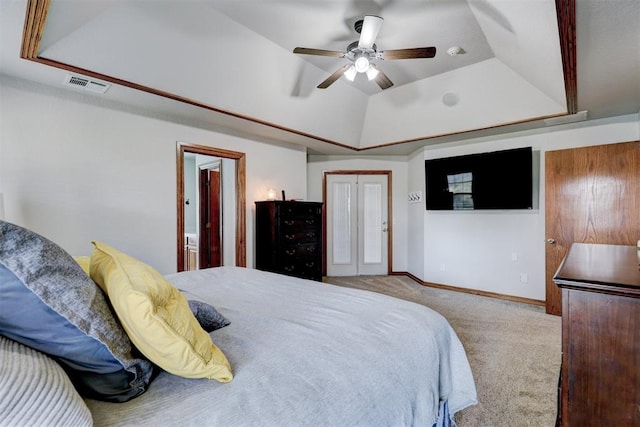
{"points": [[495, 180]]}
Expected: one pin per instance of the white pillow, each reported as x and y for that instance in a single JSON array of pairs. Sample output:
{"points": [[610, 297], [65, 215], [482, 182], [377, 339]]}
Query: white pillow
{"points": [[35, 390]]}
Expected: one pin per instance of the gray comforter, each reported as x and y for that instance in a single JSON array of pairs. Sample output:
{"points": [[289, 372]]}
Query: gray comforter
{"points": [[309, 354]]}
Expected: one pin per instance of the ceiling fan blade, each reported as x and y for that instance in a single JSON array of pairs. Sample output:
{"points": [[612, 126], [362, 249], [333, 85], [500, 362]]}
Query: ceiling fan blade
{"points": [[415, 53], [383, 81], [321, 52], [370, 28], [333, 77]]}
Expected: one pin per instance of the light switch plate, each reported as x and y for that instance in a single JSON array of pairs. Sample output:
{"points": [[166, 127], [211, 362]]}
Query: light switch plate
{"points": [[415, 197]]}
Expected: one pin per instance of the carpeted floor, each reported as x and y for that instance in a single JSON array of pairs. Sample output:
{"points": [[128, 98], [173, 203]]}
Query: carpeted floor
{"points": [[514, 350]]}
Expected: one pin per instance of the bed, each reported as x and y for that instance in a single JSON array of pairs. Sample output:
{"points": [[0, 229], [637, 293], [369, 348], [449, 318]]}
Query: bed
{"points": [[308, 354], [284, 351]]}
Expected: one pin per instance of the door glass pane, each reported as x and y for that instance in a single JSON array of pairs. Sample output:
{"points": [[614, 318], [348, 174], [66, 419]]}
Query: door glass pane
{"points": [[372, 226], [341, 223]]}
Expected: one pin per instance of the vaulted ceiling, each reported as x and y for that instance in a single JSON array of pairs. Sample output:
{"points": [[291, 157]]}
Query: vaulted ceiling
{"points": [[229, 65]]}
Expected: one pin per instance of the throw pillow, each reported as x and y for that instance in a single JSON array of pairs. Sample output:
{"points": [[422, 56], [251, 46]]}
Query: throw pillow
{"points": [[207, 316], [83, 262], [51, 305], [156, 316], [35, 391]]}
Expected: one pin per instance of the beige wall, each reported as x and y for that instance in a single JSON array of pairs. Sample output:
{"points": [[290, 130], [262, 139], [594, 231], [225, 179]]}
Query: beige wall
{"points": [[398, 167], [75, 172], [476, 249]]}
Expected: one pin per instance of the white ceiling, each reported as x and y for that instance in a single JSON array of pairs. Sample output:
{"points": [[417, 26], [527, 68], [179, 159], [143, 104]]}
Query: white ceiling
{"points": [[232, 62]]}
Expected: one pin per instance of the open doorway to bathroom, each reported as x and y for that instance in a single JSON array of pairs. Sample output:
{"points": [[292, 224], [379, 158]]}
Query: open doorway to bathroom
{"points": [[211, 218]]}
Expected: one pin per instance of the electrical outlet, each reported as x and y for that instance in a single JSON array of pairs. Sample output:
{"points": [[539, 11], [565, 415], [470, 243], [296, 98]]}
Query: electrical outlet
{"points": [[523, 278], [443, 267], [514, 256]]}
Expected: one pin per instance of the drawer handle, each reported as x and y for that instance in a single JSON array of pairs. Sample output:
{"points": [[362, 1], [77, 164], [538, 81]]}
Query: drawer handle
{"points": [[311, 234], [290, 268], [290, 252], [311, 249], [289, 236], [310, 264], [289, 222], [310, 221]]}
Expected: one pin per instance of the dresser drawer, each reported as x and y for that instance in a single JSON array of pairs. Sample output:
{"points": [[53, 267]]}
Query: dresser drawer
{"points": [[301, 236], [295, 251], [299, 223], [308, 268], [298, 210]]}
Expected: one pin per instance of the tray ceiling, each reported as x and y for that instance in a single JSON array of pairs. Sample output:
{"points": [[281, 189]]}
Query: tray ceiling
{"points": [[232, 61]]}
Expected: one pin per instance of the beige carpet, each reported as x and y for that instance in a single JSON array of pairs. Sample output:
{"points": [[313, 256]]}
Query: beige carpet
{"points": [[514, 350]]}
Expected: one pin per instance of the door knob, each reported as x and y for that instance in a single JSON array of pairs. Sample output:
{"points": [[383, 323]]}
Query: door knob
{"points": [[551, 241]]}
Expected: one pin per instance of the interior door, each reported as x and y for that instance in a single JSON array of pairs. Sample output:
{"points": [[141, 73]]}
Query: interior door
{"points": [[373, 225], [210, 240], [592, 196], [342, 225], [357, 224]]}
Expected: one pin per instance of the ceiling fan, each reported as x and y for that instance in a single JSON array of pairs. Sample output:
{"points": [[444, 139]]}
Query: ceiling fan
{"points": [[364, 52]]}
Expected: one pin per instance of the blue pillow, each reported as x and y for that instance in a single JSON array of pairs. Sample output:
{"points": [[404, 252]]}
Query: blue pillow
{"points": [[48, 303]]}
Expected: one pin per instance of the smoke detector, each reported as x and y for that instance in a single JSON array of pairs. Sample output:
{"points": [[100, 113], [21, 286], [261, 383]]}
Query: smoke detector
{"points": [[84, 83]]}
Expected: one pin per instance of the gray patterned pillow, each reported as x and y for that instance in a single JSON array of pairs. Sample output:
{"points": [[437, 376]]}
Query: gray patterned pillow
{"points": [[35, 391], [207, 316], [51, 305]]}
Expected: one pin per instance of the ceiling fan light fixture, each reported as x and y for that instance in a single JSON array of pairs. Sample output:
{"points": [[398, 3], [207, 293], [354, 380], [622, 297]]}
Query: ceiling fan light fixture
{"points": [[350, 74], [363, 53], [372, 73], [361, 64]]}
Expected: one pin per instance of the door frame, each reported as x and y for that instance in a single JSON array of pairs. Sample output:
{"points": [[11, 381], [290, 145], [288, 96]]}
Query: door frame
{"points": [[389, 175], [241, 214]]}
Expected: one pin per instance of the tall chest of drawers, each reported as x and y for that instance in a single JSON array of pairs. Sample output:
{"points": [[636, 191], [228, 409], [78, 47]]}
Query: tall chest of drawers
{"points": [[289, 238]]}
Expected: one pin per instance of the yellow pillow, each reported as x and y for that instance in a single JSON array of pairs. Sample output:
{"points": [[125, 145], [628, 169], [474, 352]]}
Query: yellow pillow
{"points": [[83, 262], [157, 317]]}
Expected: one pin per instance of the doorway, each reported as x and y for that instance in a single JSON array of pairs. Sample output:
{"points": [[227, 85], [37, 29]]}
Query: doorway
{"points": [[235, 213], [358, 234]]}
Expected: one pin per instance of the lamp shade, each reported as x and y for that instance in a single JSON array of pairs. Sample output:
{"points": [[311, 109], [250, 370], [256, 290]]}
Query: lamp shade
{"points": [[350, 74], [372, 73], [361, 64]]}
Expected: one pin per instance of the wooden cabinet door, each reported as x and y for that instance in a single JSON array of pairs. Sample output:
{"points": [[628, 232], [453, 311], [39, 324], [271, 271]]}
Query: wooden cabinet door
{"points": [[592, 196]]}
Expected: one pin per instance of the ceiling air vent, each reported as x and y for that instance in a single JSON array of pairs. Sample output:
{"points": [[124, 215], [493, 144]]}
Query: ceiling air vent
{"points": [[86, 84]]}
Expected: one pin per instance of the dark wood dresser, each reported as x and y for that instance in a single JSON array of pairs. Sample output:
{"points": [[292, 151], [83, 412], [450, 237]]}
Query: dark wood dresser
{"points": [[600, 378], [289, 238]]}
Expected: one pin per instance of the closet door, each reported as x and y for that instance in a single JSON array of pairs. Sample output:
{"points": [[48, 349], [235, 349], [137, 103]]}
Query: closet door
{"points": [[357, 224], [342, 225]]}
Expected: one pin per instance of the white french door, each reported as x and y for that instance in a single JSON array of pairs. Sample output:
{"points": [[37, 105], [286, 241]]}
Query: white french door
{"points": [[357, 224]]}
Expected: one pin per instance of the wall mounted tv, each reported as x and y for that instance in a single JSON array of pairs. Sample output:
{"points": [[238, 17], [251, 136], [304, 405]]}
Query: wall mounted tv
{"points": [[496, 180]]}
